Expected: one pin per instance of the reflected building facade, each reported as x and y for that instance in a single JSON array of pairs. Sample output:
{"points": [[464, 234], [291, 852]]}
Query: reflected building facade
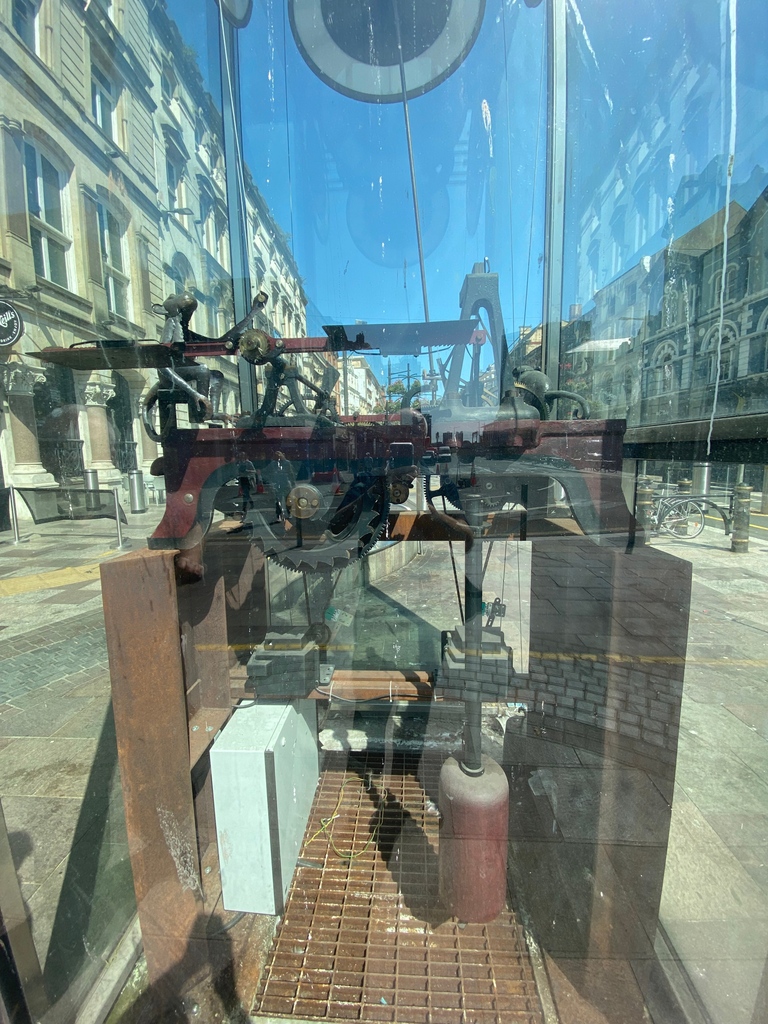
{"points": [[674, 335], [113, 197]]}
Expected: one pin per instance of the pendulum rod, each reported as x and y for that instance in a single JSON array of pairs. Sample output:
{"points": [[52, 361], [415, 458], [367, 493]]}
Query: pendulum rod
{"points": [[409, 141], [412, 167]]}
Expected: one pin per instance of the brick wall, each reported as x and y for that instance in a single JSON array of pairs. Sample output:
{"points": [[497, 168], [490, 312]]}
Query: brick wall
{"points": [[607, 650]]}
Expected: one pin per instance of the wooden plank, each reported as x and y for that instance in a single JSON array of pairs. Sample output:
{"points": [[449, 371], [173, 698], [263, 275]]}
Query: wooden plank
{"points": [[352, 684]]}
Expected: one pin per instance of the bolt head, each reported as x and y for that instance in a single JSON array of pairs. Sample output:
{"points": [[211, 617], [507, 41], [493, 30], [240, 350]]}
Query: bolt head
{"points": [[189, 498]]}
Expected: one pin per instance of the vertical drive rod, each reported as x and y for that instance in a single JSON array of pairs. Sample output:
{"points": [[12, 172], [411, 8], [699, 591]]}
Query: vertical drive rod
{"points": [[14, 514], [116, 496], [473, 616]]}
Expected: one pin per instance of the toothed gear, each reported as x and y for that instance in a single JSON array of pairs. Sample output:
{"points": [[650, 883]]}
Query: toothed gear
{"points": [[317, 524]]}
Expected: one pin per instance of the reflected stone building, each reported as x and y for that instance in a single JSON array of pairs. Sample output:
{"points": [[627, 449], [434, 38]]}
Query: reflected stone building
{"points": [[112, 196], [693, 333]]}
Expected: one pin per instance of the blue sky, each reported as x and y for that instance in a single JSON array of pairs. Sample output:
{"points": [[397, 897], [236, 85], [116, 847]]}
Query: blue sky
{"points": [[335, 171]]}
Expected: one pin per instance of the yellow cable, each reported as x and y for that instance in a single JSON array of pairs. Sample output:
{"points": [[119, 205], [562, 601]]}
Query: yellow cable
{"points": [[325, 824]]}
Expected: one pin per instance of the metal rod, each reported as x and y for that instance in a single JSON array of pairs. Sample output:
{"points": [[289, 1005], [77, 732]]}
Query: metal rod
{"points": [[412, 167], [115, 493], [14, 514], [471, 761], [236, 199], [554, 220], [345, 381], [456, 579], [472, 755]]}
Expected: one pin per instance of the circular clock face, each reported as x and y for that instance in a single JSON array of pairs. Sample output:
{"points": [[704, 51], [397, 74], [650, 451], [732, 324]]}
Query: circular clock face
{"points": [[237, 12], [355, 45]]}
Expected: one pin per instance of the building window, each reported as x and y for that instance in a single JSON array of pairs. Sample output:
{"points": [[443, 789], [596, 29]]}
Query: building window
{"points": [[112, 243], [25, 14], [727, 368], [174, 173], [46, 206], [103, 101], [666, 370], [167, 83], [732, 284]]}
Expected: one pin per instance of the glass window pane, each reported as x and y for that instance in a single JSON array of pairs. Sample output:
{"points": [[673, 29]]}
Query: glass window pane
{"points": [[37, 252], [118, 294], [51, 195], [24, 14], [30, 164], [106, 119], [115, 243], [57, 259], [596, 629]]}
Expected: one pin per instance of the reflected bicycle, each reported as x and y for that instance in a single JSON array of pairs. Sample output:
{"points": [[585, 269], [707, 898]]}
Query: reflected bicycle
{"points": [[679, 517]]}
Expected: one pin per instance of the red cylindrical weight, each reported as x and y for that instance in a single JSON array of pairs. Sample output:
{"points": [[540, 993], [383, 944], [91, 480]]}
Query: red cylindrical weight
{"points": [[473, 841]]}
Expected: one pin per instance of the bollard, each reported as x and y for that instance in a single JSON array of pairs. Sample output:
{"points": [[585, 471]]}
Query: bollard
{"points": [[764, 495], [91, 478], [644, 503], [136, 491], [684, 486], [701, 477], [741, 512]]}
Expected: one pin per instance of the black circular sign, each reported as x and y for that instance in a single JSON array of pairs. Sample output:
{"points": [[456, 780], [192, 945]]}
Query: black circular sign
{"points": [[354, 45], [11, 324]]}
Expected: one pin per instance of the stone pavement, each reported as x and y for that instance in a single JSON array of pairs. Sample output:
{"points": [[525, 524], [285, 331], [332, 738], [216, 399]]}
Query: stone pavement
{"points": [[60, 792], [59, 787]]}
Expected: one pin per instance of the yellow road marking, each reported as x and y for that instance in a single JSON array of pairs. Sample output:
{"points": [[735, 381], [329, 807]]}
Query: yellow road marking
{"points": [[752, 526], [49, 580], [614, 658]]}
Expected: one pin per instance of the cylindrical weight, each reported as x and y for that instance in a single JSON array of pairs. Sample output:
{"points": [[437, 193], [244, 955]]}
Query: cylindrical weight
{"points": [[473, 840]]}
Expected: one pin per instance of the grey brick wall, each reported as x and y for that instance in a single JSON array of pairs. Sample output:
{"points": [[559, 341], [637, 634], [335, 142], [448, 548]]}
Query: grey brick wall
{"points": [[607, 650], [283, 665]]}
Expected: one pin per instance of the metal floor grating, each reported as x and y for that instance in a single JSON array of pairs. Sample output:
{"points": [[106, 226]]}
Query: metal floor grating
{"points": [[367, 938]]}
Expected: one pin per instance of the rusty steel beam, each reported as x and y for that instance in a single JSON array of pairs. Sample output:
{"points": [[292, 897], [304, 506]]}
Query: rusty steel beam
{"points": [[141, 615]]}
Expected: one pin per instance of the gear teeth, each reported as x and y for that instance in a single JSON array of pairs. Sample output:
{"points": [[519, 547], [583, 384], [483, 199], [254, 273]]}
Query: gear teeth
{"points": [[377, 532], [362, 534]]}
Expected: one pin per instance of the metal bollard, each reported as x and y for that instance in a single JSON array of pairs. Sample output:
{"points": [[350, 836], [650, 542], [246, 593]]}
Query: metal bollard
{"points": [[91, 479], [644, 502], [136, 491], [684, 486], [741, 513], [702, 472]]}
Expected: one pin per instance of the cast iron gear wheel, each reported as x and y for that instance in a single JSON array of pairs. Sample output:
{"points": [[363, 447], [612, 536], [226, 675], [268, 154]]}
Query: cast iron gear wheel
{"points": [[316, 524], [491, 485]]}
